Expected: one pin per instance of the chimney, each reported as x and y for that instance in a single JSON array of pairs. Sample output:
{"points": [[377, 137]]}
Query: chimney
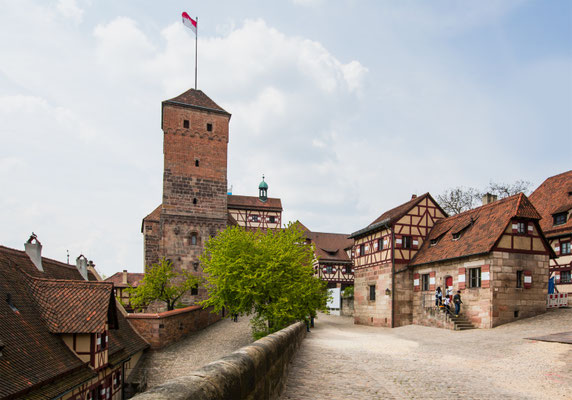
{"points": [[34, 251], [413, 196], [489, 198], [81, 263], [124, 277]]}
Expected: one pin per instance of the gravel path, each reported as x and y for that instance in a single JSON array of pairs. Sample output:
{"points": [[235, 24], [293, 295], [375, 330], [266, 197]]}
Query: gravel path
{"points": [[194, 351], [340, 360]]}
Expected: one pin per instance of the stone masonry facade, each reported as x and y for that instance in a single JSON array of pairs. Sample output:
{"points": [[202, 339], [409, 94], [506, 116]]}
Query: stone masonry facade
{"points": [[501, 301]]}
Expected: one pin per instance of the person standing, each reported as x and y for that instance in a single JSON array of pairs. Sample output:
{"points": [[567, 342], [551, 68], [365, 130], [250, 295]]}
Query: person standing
{"points": [[438, 297], [457, 300]]}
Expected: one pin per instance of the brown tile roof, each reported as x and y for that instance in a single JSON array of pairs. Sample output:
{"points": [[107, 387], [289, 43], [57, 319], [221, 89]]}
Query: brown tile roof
{"points": [[133, 279], [553, 196], [196, 99], [253, 203], [73, 306], [481, 228], [35, 363], [155, 215], [393, 215], [331, 246]]}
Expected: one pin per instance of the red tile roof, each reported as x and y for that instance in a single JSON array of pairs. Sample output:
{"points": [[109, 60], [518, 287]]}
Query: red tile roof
{"points": [[68, 306], [554, 196], [481, 228], [253, 203], [331, 246], [155, 215], [35, 363], [196, 99], [133, 279]]}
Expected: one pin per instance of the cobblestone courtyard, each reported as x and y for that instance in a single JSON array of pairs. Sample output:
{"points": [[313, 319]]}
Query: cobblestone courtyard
{"points": [[340, 360], [196, 350]]}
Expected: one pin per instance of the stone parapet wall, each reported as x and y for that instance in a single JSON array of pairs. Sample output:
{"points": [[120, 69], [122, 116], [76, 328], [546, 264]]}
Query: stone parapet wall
{"points": [[348, 306], [165, 328], [256, 371]]}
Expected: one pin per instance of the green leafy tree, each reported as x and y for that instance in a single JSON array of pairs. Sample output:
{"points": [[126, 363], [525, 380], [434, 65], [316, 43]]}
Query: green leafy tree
{"points": [[162, 283], [269, 275]]}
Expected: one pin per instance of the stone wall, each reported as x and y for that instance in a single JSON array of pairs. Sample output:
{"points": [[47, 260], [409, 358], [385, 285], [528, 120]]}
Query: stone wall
{"points": [[347, 306], [168, 327], [257, 371], [502, 301]]}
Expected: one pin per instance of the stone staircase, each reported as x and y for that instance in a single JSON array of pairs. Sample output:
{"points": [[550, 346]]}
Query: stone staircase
{"points": [[461, 323]]}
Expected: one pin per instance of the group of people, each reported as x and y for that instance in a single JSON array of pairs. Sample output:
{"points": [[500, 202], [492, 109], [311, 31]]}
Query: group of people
{"points": [[446, 301]]}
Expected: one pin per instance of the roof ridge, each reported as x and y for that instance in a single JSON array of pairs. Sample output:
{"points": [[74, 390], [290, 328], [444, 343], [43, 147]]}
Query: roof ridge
{"points": [[23, 252], [58, 280], [494, 203]]}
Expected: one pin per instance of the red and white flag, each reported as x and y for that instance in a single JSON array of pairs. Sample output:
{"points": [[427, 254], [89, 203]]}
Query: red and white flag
{"points": [[189, 22]]}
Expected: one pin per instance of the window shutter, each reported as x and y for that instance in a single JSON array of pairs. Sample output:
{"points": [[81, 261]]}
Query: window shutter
{"points": [[375, 245], [557, 277], [514, 227], [415, 243], [557, 249], [416, 286], [357, 251], [432, 280], [527, 279], [324, 269], [486, 276], [398, 241], [530, 228], [461, 278], [333, 270]]}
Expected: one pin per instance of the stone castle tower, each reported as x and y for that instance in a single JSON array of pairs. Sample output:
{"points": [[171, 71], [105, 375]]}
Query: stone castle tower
{"points": [[194, 204]]}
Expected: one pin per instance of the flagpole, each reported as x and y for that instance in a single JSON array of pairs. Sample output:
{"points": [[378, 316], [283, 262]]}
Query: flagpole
{"points": [[196, 50]]}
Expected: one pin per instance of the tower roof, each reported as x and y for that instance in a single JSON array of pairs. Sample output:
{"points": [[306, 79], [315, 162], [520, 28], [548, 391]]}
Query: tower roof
{"points": [[263, 185], [196, 99]]}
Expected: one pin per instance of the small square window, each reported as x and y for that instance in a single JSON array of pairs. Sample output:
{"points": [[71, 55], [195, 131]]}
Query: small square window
{"points": [[521, 228], [254, 218], [565, 276], [380, 244], [362, 249], [195, 266], [348, 269], [425, 282], [474, 277], [186, 124], [272, 219], [194, 291], [209, 127], [329, 269], [371, 292], [406, 243], [565, 248]]}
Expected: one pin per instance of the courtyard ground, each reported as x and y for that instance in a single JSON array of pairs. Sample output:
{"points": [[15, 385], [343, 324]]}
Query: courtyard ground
{"points": [[340, 360]]}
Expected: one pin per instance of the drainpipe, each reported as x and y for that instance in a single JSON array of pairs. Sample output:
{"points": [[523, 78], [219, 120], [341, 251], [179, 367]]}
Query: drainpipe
{"points": [[392, 277]]}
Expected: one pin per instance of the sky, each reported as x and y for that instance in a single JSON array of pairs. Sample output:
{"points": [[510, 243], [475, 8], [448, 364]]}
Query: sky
{"points": [[348, 107]]}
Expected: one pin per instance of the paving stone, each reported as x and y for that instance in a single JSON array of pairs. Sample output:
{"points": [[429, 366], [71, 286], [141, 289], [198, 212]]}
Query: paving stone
{"points": [[340, 360]]}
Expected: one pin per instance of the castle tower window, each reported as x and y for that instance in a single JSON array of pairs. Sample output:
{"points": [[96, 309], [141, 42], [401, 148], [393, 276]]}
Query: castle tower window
{"points": [[194, 291], [263, 191], [186, 124], [195, 200], [195, 266], [194, 239], [209, 127], [196, 163]]}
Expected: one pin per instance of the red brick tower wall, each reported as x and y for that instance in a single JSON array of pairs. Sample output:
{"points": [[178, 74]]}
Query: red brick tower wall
{"points": [[194, 196]]}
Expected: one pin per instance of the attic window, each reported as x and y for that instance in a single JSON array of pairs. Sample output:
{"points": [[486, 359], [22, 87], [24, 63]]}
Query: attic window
{"points": [[456, 235], [433, 242], [186, 124], [560, 218], [209, 127]]}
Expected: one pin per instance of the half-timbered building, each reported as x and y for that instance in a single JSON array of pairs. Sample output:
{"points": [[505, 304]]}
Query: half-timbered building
{"points": [[553, 200], [496, 255], [381, 253], [333, 261], [62, 335], [255, 213]]}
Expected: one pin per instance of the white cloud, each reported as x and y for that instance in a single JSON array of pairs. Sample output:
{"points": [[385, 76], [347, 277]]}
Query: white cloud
{"points": [[70, 9]]}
